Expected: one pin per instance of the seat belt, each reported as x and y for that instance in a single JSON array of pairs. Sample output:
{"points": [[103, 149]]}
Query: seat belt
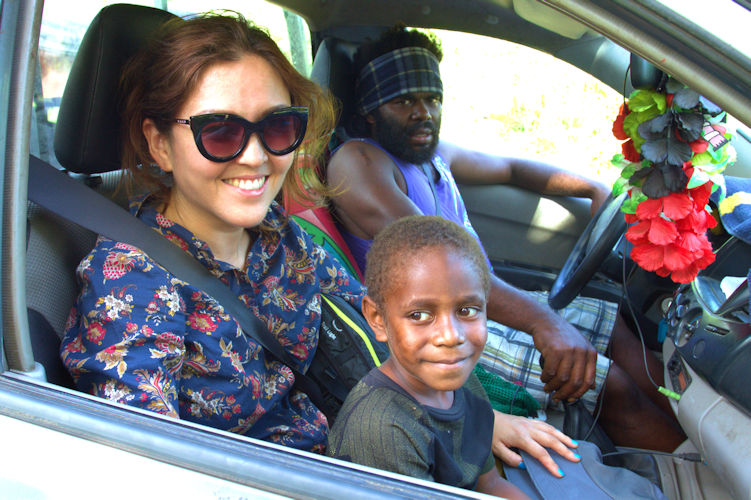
{"points": [[59, 193]]}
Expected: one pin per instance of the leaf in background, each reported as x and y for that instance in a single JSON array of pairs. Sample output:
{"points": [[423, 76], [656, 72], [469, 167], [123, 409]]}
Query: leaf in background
{"points": [[620, 186], [620, 161], [629, 170], [643, 100], [697, 179], [700, 159]]}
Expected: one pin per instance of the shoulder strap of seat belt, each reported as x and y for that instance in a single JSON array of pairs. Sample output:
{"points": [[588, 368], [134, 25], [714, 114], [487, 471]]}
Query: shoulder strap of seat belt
{"points": [[52, 189]]}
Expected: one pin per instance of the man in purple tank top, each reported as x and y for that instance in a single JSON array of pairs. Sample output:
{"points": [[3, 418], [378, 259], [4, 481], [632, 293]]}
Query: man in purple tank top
{"points": [[400, 168]]}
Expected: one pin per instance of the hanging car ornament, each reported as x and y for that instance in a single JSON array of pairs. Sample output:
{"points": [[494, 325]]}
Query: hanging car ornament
{"points": [[674, 152]]}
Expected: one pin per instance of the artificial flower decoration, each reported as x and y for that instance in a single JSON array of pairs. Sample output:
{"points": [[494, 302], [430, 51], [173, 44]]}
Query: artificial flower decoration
{"points": [[674, 151]]}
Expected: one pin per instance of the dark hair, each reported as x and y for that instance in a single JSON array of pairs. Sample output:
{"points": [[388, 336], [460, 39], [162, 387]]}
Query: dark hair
{"points": [[396, 37], [406, 238], [159, 79]]}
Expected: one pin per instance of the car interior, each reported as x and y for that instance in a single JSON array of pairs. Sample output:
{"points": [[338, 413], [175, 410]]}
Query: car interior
{"points": [[708, 351]]}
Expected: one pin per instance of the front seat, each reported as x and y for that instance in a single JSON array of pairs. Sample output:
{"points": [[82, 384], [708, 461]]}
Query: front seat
{"points": [[86, 142]]}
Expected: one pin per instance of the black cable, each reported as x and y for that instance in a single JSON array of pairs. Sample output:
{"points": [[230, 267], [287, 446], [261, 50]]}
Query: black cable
{"points": [[636, 321]]}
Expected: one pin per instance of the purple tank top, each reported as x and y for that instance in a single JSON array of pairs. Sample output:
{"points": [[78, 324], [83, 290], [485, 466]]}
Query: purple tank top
{"points": [[449, 200]]}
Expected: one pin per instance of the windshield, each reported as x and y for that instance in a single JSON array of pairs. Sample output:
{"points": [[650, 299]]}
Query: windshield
{"points": [[728, 20]]}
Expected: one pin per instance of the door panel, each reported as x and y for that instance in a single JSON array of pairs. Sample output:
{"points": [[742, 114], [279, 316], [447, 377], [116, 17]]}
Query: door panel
{"points": [[520, 227]]}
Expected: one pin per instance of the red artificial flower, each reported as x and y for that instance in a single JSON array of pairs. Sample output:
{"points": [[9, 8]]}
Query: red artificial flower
{"points": [[649, 257], [685, 275], [669, 234], [674, 206], [662, 231], [637, 233], [692, 242], [618, 131], [701, 195], [698, 146], [629, 151], [676, 258]]}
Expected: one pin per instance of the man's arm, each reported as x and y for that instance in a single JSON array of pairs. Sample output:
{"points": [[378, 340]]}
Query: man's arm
{"points": [[370, 197], [570, 360], [473, 167], [368, 192]]}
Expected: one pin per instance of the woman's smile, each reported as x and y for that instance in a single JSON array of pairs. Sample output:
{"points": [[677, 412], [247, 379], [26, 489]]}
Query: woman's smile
{"points": [[245, 184]]}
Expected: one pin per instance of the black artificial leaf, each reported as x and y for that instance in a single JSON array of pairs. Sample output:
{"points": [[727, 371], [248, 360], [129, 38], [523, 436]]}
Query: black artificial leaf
{"points": [[639, 175], [686, 98], [690, 125], [669, 149], [674, 86], [673, 177], [654, 185], [655, 128], [710, 107], [655, 151], [678, 151]]}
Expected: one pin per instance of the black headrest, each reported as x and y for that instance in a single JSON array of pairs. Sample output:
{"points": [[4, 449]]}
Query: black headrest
{"points": [[333, 68], [87, 134]]}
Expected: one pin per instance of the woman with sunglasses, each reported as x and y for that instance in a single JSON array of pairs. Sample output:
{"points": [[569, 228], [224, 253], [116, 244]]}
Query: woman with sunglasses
{"points": [[216, 124]]}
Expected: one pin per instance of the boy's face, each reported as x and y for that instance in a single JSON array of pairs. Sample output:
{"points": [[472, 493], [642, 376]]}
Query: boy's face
{"points": [[434, 320]]}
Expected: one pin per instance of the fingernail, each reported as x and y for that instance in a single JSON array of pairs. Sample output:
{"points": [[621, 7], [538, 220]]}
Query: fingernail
{"points": [[561, 473], [576, 443], [522, 466], [577, 456]]}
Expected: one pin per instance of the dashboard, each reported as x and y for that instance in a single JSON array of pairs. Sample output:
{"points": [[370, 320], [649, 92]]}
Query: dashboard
{"points": [[708, 364]]}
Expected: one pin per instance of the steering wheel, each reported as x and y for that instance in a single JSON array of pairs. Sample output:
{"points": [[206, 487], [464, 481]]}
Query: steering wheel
{"points": [[594, 244]]}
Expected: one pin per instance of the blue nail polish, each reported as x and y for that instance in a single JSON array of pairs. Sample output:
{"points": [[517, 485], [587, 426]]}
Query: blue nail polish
{"points": [[577, 456], [522, 466], [561, 473], [576, 443]]}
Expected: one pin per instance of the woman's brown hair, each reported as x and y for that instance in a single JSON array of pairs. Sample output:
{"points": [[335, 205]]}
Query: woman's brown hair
{"points": [[159, 79]]}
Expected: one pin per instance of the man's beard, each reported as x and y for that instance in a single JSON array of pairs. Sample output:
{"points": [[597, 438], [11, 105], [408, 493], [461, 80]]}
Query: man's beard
{"points": [[394, 138]]}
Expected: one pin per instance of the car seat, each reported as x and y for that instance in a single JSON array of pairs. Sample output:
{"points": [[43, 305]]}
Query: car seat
{"points": [[86, 144], [333, 70]]}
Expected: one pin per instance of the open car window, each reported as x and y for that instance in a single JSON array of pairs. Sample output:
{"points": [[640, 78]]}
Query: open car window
{"points": [[507, 99]]}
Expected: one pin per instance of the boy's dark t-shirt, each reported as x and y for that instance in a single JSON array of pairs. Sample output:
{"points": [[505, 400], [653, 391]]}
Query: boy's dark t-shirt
{"points": [[381, 425]]}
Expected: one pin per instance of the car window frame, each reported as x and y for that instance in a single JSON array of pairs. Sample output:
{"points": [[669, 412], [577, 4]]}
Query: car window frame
{"points": [[203, 449], [24, 395]]}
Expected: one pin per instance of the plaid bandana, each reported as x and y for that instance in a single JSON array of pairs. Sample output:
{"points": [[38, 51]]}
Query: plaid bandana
{"points": [[399, 72]]}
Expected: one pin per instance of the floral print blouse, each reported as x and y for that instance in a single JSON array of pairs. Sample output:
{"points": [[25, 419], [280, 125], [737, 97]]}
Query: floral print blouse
{"points": [[138, 335]]}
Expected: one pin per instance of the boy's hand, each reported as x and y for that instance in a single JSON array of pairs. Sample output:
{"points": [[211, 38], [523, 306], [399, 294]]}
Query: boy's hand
{"points": [[532, 436]]}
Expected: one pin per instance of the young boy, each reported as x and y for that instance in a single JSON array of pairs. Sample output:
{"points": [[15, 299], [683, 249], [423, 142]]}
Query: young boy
{"points": [[421, 413]]}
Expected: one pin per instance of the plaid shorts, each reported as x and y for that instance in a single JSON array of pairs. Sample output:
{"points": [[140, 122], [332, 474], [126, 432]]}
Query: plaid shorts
{"points": [[511, 353]]}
